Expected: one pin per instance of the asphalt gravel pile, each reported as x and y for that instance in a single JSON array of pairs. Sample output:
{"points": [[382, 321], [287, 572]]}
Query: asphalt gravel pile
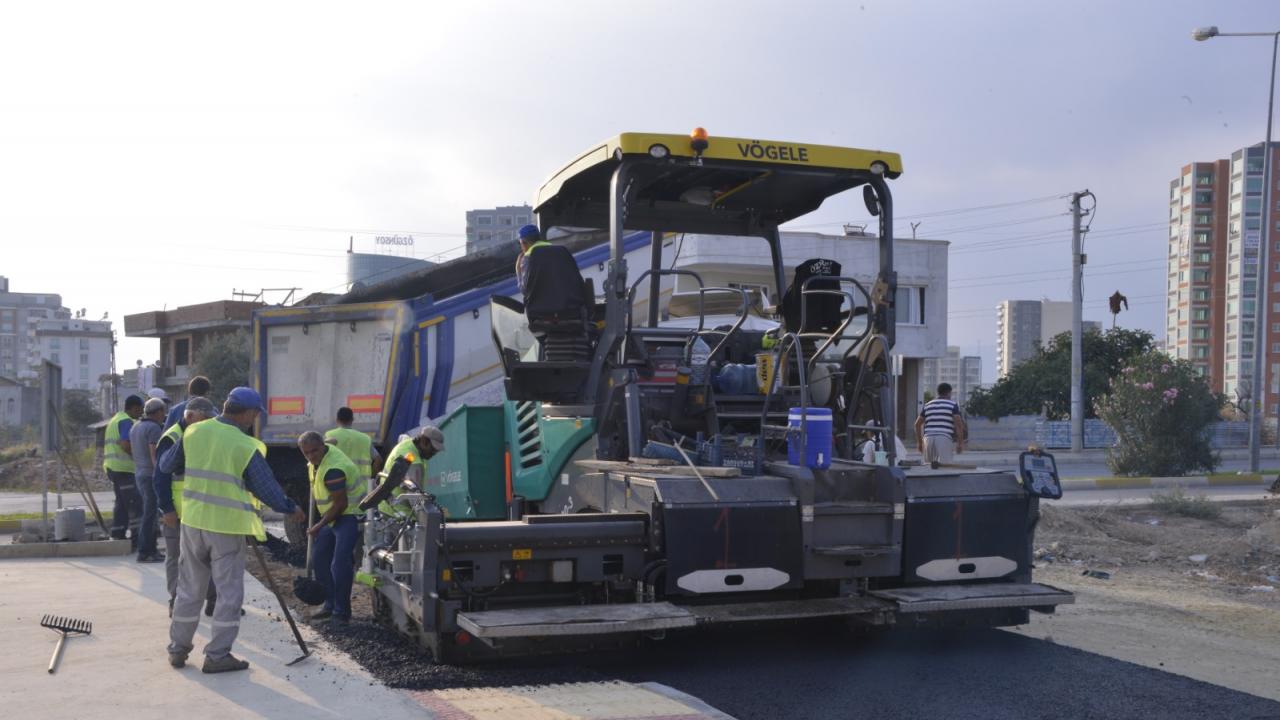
{"points": [[281, 551], [402, 663]]}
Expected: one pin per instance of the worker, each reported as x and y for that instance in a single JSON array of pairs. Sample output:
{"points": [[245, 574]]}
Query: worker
{"points": [[143, 437], [355, 445], [530, 240], [117, 462], [337, 484], [169, 498], [421, 447], [940, 428], [223, 473], [198, 387]]}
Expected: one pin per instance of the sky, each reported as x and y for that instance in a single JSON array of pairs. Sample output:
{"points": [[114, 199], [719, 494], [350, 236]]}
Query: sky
{"points": [[161, 154]]}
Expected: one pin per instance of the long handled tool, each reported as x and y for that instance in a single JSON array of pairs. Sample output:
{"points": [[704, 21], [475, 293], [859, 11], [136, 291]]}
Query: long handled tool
{"points": [[307, 588], [65, 627], [262, 561]]}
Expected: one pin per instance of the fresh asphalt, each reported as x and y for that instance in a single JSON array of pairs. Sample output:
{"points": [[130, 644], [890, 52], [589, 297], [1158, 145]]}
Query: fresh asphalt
{"points": [[823, 670]]}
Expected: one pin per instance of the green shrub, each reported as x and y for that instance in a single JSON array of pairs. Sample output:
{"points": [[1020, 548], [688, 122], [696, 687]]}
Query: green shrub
{"points": [[1161, 412], [1178, 502]]}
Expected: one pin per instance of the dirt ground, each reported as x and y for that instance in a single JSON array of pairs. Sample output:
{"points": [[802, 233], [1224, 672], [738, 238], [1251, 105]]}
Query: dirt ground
{"points": [[1215, 618], [23, 475]]}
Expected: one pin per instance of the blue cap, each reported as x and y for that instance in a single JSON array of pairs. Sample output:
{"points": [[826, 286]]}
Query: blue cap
{"points": [[528, 231], [246, 397]]}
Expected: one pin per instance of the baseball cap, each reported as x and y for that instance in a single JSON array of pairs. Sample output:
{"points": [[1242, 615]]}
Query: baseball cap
{"points": [[158, 393], [528, 231], [432, 433], [246, 397]]}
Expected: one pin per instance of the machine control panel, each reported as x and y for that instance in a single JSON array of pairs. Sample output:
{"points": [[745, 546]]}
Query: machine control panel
{"points": [[1039, 474]]}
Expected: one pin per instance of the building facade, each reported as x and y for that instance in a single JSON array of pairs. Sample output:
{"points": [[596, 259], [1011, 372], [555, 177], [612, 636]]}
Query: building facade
{"points": [[1023, 327], [182, 333], [1216, 227], [491, 227], [20, 314], [962, 372], [82, 347]]}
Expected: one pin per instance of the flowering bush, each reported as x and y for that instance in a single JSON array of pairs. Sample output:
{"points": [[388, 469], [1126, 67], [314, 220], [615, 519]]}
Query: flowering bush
{"points": [[1161, 412]]}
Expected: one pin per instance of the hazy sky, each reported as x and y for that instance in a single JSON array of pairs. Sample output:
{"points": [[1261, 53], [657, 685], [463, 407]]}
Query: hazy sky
{"points": [[153, 154]]}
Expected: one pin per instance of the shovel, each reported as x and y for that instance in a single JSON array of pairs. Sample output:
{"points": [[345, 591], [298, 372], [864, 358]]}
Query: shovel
{"points": [[307, 588], [271, 581]]}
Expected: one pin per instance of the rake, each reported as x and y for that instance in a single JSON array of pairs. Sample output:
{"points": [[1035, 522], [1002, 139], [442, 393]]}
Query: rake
{"points": [[65, 627]]}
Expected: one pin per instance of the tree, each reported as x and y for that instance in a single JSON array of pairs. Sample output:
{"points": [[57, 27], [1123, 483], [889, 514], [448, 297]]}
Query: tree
{"points": [[224, 359], [1161, 412], [1043, 383], [78, 410]]}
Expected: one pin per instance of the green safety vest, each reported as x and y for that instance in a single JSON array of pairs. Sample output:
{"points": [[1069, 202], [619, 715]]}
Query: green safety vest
{"points": [[403, 448], [214, 497], [114, 458], [334, 458], [355, 445], [174, 433]]}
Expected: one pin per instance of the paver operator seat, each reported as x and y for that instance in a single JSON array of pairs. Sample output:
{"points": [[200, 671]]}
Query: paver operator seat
{"points": [[557, 304]]}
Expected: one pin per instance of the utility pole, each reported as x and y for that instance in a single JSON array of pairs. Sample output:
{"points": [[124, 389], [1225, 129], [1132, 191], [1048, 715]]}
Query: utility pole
{"points": [[1077, 339]]}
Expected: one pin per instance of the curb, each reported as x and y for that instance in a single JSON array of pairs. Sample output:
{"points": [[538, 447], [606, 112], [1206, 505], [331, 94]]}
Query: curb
{"points": [[89, 548], [1134, 483]]}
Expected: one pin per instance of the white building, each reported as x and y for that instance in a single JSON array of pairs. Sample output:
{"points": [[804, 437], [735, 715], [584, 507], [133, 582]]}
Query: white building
{"points": [[81, 347], [962, 372], [1023, 327], [490, 227]]}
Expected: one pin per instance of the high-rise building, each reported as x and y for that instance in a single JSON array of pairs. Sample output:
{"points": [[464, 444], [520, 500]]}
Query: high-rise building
{"points": [[491, 227], [82, 347], [1215, 230], [1025, 326], [962, 372], [20, 315]]}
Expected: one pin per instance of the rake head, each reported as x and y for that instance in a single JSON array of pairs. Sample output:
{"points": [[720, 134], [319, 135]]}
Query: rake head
{"points": [[66, 625]]}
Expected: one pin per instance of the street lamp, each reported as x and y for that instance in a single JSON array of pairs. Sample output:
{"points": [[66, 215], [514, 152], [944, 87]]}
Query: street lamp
{"points": [[1260, 311]]}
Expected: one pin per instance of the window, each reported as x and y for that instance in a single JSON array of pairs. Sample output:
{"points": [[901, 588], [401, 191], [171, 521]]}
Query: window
{"points": [[84, 373], [1204, 196], [484, 220], [182, 352], [1204, 179], [1200, 314], [84, 343], [1202, 238], [1253, 185], [486, 236], [1275, 347], [1203, 294], [1201, 370], [84, 358], [1253, 205], [522, 219], [1201, 351], [504, 220], [55, 343], [909, 306], [1252, 223], [1202, 257], [1204, 219], [1199, 275], [1200, 333]]}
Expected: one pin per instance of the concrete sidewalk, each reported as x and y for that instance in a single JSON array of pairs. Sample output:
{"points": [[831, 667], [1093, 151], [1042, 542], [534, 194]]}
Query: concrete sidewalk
{"points": [[122, 667]]}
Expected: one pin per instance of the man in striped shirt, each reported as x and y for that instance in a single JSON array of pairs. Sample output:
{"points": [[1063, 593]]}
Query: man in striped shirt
{"points": [[940, 428]]}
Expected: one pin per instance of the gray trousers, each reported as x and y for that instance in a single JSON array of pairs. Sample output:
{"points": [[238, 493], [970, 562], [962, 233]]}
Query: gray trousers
{"points": [[208, 555], [173, 551]]}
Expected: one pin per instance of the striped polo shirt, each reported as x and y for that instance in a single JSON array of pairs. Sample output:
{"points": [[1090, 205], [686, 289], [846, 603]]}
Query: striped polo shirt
{"points": [[939, 417]]}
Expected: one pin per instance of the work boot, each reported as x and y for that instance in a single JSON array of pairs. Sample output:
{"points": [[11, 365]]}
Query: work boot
{"points": [[338, 622], [321, 614], [177, 660], [230, 663], [151, 558]]}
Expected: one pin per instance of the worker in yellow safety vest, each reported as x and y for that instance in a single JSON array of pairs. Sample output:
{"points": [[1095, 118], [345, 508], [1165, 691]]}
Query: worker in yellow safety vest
{"points": [[337, 484], [530, 240], [117, 462], [355, 445], [418, 449], [169, 498], [223, 471]]}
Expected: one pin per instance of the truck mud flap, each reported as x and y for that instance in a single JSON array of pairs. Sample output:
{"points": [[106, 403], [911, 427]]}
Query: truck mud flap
{"points": [[976, 596], [498, 625]]}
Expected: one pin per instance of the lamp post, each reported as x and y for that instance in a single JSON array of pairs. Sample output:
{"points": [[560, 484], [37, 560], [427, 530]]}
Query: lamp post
{"points": [[1261, 313]]}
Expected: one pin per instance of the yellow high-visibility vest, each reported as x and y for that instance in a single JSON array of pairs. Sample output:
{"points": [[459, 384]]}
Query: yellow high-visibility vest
{"points": [[214, 497], [114, 458], [334, 458]]}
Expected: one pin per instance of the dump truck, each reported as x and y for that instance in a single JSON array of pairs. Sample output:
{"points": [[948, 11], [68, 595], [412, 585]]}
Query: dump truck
{"points": [[626, 489]]}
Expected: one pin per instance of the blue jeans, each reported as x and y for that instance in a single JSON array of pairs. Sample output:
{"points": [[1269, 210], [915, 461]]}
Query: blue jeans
{"points": [[335, 568], [147, 532]]}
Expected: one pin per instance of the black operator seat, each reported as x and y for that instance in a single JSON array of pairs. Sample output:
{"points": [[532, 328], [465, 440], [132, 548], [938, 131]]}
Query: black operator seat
{"points": [[557, 305], [823, 311]]}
